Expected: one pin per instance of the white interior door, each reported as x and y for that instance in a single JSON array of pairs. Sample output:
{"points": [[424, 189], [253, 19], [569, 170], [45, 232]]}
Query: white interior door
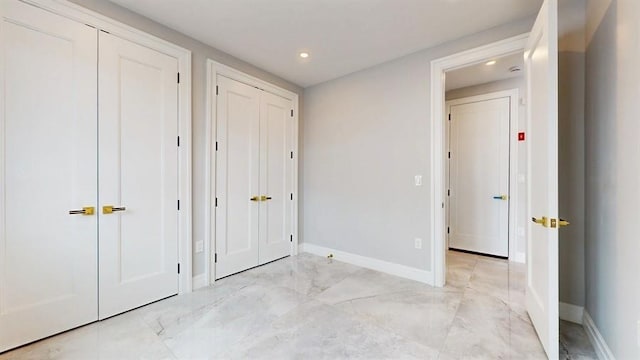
{"points": [[479, 176], [237, 177], [276, 176], [48, 264], [541, 61], [138, 169]]}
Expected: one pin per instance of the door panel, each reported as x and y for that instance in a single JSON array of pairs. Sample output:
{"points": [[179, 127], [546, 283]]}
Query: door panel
{"points": [[138, 160], [541, 61], [479, 170], [48, 164], [237, 177], [276, 129]]}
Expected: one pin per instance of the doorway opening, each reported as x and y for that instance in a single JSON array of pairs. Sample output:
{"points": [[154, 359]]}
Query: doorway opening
{"points": [[471, 82], [485, 165]]}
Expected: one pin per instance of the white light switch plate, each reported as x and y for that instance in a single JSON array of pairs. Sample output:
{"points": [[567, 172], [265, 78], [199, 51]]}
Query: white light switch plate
{"points": [[418, 243], [418, 180], [199, 246]]}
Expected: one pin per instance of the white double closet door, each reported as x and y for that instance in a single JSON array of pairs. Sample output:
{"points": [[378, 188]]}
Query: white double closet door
{"points": [[254, 177], [76, 137]]}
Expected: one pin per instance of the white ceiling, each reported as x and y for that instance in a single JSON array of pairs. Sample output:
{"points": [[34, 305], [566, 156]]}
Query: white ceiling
{"points": [[342, 36], [482, 74]]}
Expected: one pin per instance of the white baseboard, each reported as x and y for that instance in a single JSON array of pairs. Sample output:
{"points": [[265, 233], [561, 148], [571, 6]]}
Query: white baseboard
{"points": [[371, 263], [199, 281], [599, 345], [572, 313], [519, 258]]}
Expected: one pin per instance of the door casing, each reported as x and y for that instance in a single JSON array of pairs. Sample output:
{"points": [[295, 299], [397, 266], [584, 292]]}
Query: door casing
{"points": [[514, 96], [438, 162], [213, 70]]}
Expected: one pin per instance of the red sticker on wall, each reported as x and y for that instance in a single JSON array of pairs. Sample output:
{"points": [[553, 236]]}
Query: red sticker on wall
{"points": [[521, 136]]}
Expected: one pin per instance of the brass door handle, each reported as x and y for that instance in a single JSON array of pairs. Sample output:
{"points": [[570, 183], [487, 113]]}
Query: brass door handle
{"points": [[87, 210], [501, 197], [542, 221], [109, 209], [562, 223], [261, 198]]}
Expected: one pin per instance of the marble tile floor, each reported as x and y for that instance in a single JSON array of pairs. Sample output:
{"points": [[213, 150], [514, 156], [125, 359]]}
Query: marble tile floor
{"points": [[309, 307]]}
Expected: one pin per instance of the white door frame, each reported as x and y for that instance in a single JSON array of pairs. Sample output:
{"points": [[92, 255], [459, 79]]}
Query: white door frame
{"points": [[101, 22], [514, 96], [438, 184], [213, 70]]}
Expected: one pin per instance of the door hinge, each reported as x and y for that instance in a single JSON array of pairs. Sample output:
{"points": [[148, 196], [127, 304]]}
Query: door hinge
{"points": [[291, 196], [216, 146], [215, 257], [178, 78], [216, 205], [178, 268], [291, 112], [292, 154], [217, 90], [449, 117], [449, 192], [448, 229], [291, 238], [178, 204], [449, 154], [178, 141]]}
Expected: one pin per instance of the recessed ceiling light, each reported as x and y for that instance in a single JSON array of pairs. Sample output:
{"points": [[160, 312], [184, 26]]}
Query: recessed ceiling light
{"points": [[304, 55], [492, 62]]}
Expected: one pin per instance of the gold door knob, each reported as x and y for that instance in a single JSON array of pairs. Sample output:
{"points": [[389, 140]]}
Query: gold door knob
{"points": [[87, 210], [562, 223], [542, 221], [255, 198], [501, 197], [110, 209], [265, 198]]}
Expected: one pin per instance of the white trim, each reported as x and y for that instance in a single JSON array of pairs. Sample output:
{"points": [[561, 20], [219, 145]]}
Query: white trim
{"points": [[371, 263], [200, 281], [598, 342], [571, 313], [101, 22], [213, 70], [514, 99], [520, 257], [438, 69]]}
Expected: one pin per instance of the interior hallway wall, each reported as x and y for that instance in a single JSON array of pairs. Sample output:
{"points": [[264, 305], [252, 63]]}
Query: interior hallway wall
{"points": [[366, 135], [571, 152], [200, 53], [613, 172]]}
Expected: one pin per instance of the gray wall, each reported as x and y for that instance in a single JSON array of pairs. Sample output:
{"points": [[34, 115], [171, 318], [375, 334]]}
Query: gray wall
{"points": [[571, 175], [366, 136], [612, 172], [200, 53], [508, 84], [571, 158]]}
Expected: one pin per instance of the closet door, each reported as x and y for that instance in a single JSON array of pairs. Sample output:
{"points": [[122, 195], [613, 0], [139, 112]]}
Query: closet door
{"points": [[48, 264], [276, 175], [237, 177], [138, 175]]}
